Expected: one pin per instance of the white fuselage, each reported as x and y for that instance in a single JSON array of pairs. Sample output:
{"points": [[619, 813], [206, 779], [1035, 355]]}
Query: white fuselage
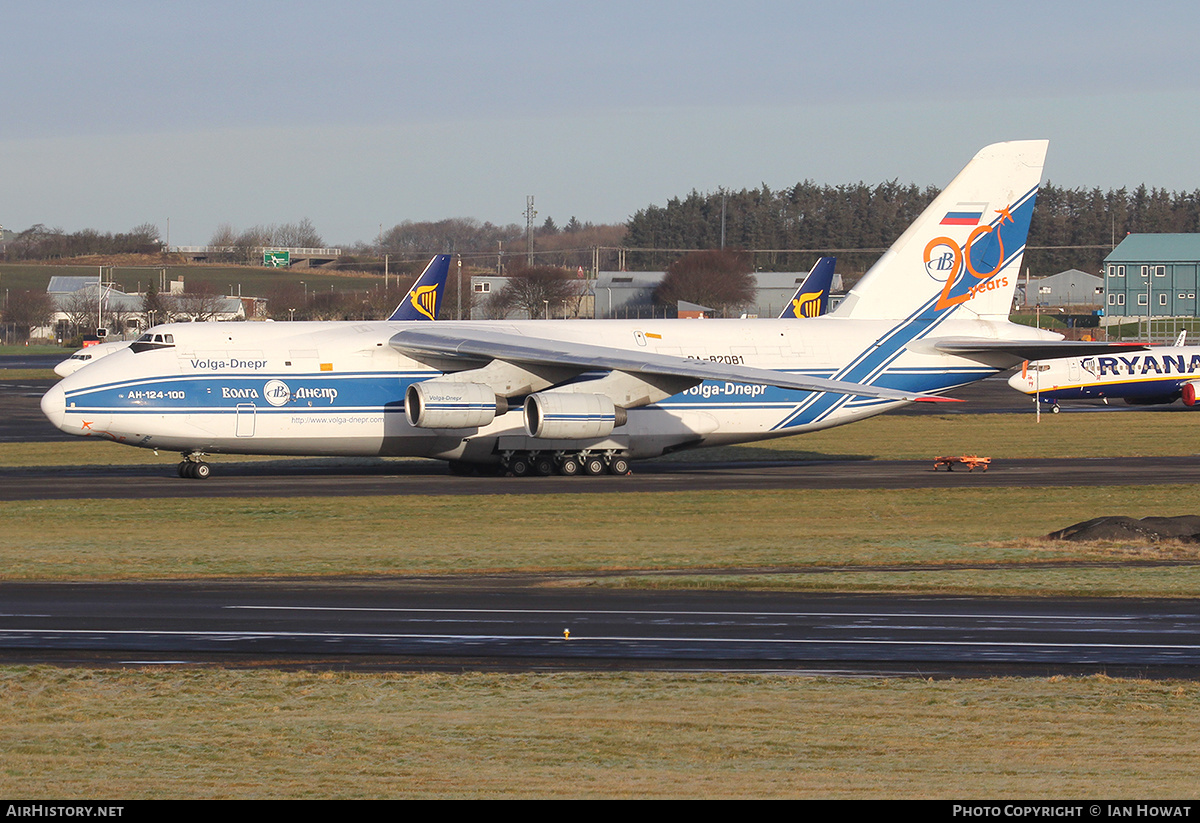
{"points": [[1154, 375], [88, 355], [338, 388]]}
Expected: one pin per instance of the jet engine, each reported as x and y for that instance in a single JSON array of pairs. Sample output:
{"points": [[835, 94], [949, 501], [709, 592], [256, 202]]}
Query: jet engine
{"points": [[571, 415], [1189, 394], [442, 405], [1157, 400]]}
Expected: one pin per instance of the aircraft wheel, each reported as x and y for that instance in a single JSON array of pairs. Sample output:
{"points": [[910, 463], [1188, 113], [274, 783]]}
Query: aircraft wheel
{"points": [[1055, 409], [593, 466], [619, 466], [520, 466], [569, 467], [182, 469], [201, 471], [543, 466]]}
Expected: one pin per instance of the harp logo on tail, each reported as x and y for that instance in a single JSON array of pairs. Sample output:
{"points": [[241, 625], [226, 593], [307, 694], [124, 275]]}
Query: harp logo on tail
{"points": [[424, 300], [807, 304]]}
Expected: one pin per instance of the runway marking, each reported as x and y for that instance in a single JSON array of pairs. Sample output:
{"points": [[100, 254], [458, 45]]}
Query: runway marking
{"points": [[554, 638], [984, 616]]}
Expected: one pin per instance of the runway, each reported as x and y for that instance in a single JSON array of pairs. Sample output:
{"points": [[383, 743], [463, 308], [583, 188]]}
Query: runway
{"points": [[502, 623], [423, 478]]}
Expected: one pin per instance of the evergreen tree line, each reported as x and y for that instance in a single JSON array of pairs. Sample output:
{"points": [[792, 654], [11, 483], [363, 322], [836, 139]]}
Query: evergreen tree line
{"points": [[1072, 228]]}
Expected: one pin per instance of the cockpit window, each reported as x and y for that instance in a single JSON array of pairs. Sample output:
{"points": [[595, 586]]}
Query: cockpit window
{"points": [[153, 341]]}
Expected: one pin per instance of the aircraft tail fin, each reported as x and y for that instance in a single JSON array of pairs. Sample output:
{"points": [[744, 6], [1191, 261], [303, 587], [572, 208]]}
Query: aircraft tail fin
{"points": [[963, 254], [425, 297], [812, 298]]}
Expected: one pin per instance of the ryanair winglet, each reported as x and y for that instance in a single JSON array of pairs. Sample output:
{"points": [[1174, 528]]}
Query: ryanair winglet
{"points": [[812, 298], [425, 297]]}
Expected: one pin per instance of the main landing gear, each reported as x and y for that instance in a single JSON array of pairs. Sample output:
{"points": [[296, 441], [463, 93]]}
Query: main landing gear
{"points": [[193, 466], [564, 464]]}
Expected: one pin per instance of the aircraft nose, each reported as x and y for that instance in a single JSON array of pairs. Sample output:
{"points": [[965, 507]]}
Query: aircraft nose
{"points": [[54, 405], [1019, 382]]}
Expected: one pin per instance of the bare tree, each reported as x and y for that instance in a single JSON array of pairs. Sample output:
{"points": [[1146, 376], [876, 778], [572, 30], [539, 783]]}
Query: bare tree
{"points": [[27, 310], [244, 246], [145, 236], [302, 235], [200, 304], [718, 279], [82, 309], [458, 235], [535, 291]]}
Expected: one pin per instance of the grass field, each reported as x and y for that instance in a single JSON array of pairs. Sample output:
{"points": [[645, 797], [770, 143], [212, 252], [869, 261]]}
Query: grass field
{"points": [[877, 540], [270, 734], [915, 534]]}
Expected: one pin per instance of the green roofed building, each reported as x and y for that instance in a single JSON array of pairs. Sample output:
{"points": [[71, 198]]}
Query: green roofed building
{"points": [[1152, 275]]}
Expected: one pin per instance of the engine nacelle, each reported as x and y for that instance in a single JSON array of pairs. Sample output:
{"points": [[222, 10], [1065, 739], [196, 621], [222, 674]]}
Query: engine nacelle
{"points": [[1157, 400], [571, 416], [1189, 394], [437, 405]]}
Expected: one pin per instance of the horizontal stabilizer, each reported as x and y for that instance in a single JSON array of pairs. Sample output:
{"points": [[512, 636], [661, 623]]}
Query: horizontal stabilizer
{"points": [[1029, 349]]}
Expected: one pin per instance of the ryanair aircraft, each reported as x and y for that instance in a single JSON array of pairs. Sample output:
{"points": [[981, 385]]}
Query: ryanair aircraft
{"points": [[588, 396], [1156, 376]]}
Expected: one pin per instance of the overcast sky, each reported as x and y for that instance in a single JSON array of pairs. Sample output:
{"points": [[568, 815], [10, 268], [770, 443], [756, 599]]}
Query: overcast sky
{"points": [[357, 114]]}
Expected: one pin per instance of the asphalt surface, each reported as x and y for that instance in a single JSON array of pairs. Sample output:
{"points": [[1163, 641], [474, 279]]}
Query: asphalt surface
{"points": [[514, 623], [422, 478], [503, 623]]}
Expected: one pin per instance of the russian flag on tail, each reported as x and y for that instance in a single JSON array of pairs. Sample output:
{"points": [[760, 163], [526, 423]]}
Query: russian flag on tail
{"points": [[964, 214]]}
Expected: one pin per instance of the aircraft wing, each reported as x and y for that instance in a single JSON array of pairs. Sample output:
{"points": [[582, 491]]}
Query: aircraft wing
{"points": [[1030, 349], [451, 344]]}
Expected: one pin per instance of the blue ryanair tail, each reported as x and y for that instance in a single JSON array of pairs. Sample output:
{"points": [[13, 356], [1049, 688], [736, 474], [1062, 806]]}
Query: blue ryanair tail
{"points": [[812, 298], [425, 297]]}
